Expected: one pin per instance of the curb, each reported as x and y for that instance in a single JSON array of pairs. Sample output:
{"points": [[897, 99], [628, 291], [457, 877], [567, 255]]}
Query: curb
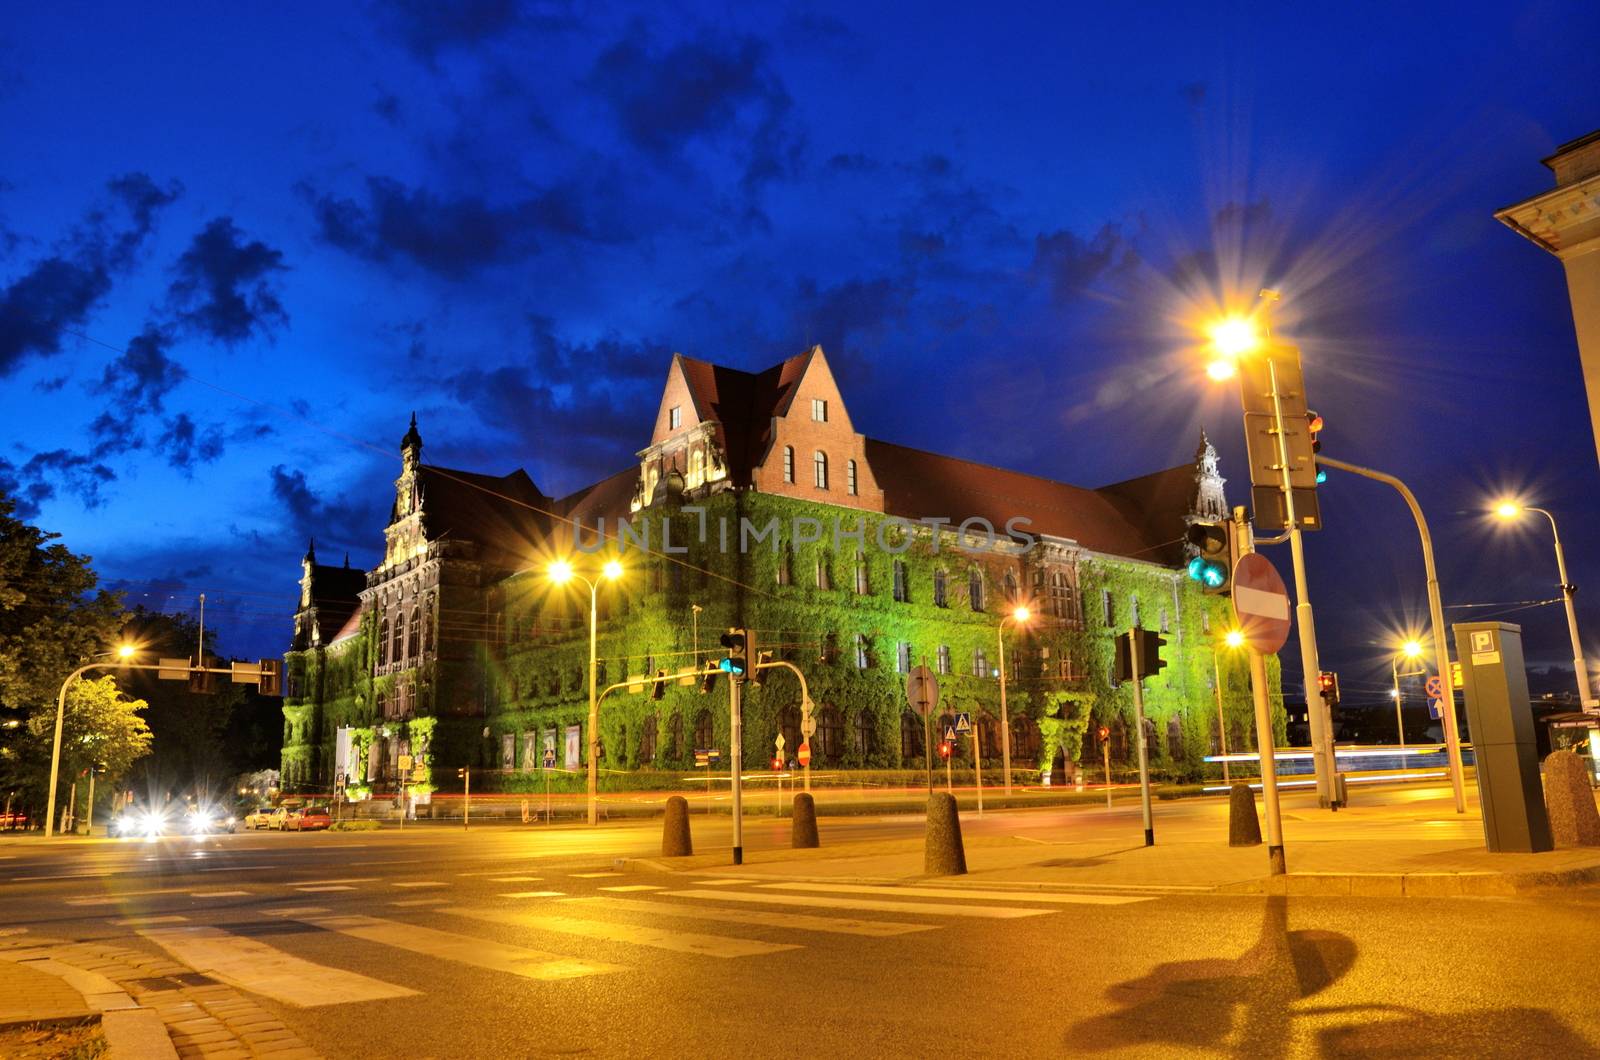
{"points": [[1412, 884], [131, 1032]]}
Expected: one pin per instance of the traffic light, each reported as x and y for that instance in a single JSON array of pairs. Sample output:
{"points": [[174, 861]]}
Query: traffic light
{"points": [[757, 678], [1314, 429], [944, 749], [737, 644], [708, 680], [1150, 660], [272, 677], [1328, 683], [1212, 561], [1104, 733], [658, 687]]}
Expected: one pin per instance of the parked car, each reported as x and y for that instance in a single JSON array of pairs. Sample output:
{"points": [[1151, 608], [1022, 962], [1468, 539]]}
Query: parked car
{"points": [[307, 819], [260, 817], [207, 820]]}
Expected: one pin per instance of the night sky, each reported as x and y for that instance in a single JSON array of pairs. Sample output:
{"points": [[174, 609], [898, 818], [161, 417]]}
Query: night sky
{"points": [[240, 244]]}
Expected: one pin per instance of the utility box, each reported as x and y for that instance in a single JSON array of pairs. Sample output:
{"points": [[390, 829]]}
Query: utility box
{"points": [[1503, 744]]}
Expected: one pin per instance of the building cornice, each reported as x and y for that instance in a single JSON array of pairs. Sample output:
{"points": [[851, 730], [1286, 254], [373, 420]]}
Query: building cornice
{"points": [[1564, 220]]}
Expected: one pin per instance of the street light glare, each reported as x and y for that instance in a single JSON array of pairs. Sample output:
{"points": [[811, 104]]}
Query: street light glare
{"points": [[1022, 614], [1222, 368], [1412, 649], [612, 570], [1234, 337], [125, 651], [1234, 638], [560, 571], [1508, 509]]}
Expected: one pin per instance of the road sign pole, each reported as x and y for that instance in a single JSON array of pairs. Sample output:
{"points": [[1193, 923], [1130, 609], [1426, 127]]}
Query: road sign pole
{"points": [[1265, 748], [466, 810], [977, 767], [736, 752], [1144, 751], [1105, 746]]}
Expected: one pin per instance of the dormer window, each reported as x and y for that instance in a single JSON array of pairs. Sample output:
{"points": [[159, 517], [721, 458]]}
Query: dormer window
{"points": [[819, 410], [675, 417]]}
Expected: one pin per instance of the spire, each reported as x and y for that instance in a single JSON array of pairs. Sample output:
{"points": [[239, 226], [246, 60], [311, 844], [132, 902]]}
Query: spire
{"points": [[412, 442], [311, 550]]}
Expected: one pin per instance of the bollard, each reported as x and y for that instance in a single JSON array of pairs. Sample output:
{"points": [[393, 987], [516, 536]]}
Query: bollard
{"points": [[1244, 830], [803, 831], [943, 854], [675, 831], [1569, 801]]}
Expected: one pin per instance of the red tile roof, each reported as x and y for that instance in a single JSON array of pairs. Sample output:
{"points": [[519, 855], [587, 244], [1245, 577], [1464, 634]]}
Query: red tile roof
{"points": [[743, 404]]}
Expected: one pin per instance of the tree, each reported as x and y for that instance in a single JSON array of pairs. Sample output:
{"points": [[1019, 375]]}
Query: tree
{"points": [[102, 728]]}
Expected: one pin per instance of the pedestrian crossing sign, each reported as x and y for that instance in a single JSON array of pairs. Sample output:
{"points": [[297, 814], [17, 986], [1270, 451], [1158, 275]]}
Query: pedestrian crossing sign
{"points": [[950, 733], [963, 723]]}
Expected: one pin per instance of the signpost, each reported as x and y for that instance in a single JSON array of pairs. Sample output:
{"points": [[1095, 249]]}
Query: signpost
{"points": [[549, 764], [1105, 747], [922, 693], [1264, 608], [965, 727], [1261, 604], [947, 751]]}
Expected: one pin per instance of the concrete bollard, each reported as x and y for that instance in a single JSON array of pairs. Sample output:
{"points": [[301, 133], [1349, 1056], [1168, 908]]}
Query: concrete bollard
{"points": [[675, 832], [1569, 801], [803, 832], [1244, 829], [943, 854]]}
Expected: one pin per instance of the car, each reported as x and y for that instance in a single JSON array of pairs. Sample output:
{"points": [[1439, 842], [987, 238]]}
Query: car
{"points": [[209, 820], [307, 819], [260, 817], [141, 822]]}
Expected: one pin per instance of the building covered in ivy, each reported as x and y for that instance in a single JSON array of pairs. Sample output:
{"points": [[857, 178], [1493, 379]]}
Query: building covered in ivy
{"points": [[756, 504]]}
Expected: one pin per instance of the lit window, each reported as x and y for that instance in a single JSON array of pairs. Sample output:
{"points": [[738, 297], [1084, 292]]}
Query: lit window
{"points": [[944, 658], [819, 467], [980, 663], [900, 595], [902, 658], [939, 589], [819, 410], [850, 477], [861, 651], [788, 463], [675, 417]]}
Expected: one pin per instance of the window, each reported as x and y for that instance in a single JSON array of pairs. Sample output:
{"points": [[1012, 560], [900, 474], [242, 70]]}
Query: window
{"points": [[785, 565], [383, 641], [850, 477], [866, 733], [697, 469], [975, 588], [1058, 594], [508, 750], [647, 740], [1164, 624], [902, 657], [900, 594], [824, 576], [830, 733], [675, 418], [1024, 739], [939, 589], [1133, 611], [1111, 675], [1205, 621], [980, 664], [600, 674], [427, 625], [819, 410], [862, 588], [702, 731], [910, 736], [788, 463], [1011, 588], [819, 468], [944, 658], [830, 647], [397, 645], [674, 736], [861, 651], [1105, 606], [414, 642], [529, 756]]}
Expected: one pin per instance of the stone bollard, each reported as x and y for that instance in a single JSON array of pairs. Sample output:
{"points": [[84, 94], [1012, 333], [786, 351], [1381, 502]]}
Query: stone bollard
{"points": [[1244, 830], [943, 854], [803, 832], [1569, 801], [675, 832]]}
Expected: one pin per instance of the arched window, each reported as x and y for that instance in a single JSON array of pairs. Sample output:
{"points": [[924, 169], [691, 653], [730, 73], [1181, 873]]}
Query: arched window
{"points": [[674, 737], [940, 588], [850, 478], [900, 593], [383, 705], [861, 574], [398, 646], [866, 733], [830, 733], [975, 588], [989, 734], [1174, 738], [383, 641], [414, 643], [1024, 740], [819, 468], [910, 737], [788, 463], [647, 740], [427, 625], [697, 469], [702, 730], [824, 574]]}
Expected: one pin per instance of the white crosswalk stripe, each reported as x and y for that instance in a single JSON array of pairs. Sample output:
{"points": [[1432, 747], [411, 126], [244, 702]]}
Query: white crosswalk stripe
{"points": [[789, 921], [881, 905], [967, 894], [630, 934], [252, 965]]}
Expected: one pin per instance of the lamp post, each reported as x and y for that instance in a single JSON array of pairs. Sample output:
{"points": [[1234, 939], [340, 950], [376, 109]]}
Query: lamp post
{"points": [[1233, 639], [124, 653], [560, 573], [1412, 649], [1510, 510], [1020, 615]]}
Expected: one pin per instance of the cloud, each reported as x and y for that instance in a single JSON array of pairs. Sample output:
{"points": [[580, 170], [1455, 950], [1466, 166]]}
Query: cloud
{"points": [[842, 316], [339, 523], [35, 481], [427, 29], [143, 376], [454, 237], [1070, 264], [221, 289], [1193, 92], [705, 88], [185, 446], [58, 292], [854, 162]]}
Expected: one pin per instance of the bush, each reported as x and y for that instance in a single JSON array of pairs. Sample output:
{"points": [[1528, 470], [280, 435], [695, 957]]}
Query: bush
{"points": [[353, 826]]}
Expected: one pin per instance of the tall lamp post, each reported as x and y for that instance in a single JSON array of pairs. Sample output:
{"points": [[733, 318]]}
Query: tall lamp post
{"points": [[560, 573], [123, 653], [1019, 616], [1510, 510], [1411, 649], [1233, 639]]}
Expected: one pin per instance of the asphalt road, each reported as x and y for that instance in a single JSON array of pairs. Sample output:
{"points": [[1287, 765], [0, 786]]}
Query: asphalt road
{"points": [[509, 943]]}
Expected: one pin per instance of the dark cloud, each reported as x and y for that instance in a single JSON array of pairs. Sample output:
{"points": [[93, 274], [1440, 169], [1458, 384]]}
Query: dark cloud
{"points": [[705, 88], [115, 433], [221, 287], [455, 236], [341, 523], [842, 317], [428, 29], [36, 481], [185, 446], [58, 292], [387, 107], [855, 162], [1070, 264], [922, 244], [1193, 93], [143, 376]]}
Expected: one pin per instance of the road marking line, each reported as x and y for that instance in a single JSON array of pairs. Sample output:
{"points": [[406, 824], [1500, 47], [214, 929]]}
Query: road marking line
{"points": [[533, 894], [217, 894], [72, 876], [319, 890], [412, 902], [633, 887], [252, 965], [294, 910], [630, 934], [515, 879], [142, 921], [790, 921], [464, 949], [823, 902], [959, 892], [420, 883], [352, 879], [720, 881], [592, 875]]}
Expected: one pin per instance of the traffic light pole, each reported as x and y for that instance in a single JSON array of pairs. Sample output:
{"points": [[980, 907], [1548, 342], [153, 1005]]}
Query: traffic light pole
{"points": [[1144, 751], [736, 739], [1265, 748]]}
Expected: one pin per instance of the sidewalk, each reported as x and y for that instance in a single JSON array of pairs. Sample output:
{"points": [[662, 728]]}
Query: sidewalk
{"points": [[1415, 846]]}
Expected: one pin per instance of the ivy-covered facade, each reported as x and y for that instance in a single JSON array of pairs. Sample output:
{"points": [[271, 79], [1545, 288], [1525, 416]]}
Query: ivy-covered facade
{"points": [[757, 506]]}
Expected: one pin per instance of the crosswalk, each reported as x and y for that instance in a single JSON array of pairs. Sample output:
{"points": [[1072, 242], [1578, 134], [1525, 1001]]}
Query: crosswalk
{"points": [[551, 935]]}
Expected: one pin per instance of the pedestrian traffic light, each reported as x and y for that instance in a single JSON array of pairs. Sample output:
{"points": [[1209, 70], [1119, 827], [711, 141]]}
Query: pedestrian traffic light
{"points": [[1211, 556], [737, 644], [1328, 684], [1104, 734], [658, 687], [944, 749], [1314, 429]]}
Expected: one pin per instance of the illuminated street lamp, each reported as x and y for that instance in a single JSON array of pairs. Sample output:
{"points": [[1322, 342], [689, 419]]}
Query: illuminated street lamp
{"points": [[123, 652], [1509, 510], [1411, 650], [560, 572], [1019, 615], [1233, 639]]}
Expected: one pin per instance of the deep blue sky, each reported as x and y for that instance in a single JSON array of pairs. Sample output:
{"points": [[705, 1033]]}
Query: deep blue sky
{"points": [[238, 247]]}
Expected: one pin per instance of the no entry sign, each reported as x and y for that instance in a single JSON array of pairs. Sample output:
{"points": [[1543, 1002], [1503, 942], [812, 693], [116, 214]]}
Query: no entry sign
{"points": [[1260, 603]]}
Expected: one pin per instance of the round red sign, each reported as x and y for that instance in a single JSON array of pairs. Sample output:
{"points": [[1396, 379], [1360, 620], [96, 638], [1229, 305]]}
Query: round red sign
{"points": [[1260, 603]]}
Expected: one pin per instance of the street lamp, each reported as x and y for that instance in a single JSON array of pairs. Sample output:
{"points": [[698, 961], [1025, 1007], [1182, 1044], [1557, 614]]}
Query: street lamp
{"points": [[560, 572], [1232, 639], [1509, 510], [1412, 651], [1019, 615], [123, 652]]}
